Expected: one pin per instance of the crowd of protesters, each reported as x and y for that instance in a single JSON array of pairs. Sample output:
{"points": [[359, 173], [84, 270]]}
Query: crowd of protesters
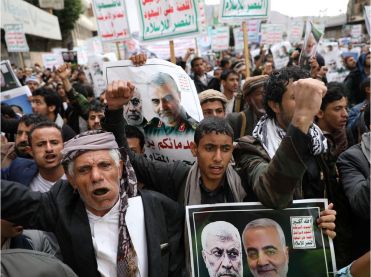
{"points": [[72, 168]]}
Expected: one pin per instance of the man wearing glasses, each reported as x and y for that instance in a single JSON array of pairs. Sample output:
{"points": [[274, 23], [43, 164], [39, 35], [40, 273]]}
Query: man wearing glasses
{"points": [[221, 249]]}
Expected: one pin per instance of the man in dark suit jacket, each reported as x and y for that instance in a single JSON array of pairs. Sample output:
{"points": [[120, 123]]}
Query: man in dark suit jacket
{"points": [[97, 195]]}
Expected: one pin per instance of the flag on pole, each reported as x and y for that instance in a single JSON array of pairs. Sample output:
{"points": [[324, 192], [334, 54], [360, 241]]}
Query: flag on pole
{"points": [[311, 40]]}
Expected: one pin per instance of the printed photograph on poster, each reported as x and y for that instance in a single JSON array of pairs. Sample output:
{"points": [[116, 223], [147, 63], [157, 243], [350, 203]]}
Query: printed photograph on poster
{"points": [[165, 107], [95, 67], [18, 96], [8, 78], [229, 239], [69, 57], [331, 53], [280, 52]]}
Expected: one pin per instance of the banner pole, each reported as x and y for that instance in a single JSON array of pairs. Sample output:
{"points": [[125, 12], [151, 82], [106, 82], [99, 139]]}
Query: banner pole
{"points": [[246, 48], [118, 50], [172, 52], [196, 47], [22, 59]]}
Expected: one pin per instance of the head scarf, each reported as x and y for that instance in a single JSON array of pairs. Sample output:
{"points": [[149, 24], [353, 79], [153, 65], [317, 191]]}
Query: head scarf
{"points": [[127, 262], [89, 140]]}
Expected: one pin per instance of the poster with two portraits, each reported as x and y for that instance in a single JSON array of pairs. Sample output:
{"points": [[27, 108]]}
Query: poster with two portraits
{"points": [[165, 107], [248, 239]]}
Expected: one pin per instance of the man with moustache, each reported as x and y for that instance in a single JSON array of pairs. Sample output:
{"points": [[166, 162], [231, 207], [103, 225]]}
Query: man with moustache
{"points": [[133, 111], [243, 123], [165, 100], [221, 249], [18, 149], [286, 147], [105, 227], [265, 247], [95, 114], [171, 119], [45, 146]]}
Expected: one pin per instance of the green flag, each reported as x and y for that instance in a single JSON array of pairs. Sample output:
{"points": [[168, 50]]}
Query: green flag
{"points": [[317, 34]]}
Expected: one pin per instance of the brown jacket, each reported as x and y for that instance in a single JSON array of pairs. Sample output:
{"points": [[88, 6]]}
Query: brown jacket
{"points": [[294, 173]]}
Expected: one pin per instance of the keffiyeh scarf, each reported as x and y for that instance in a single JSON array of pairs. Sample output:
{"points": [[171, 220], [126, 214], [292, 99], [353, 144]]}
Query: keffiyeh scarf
{"points": [[271, 135]]}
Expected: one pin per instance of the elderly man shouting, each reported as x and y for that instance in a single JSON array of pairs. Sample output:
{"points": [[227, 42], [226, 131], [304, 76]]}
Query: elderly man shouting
{"points": [[103, 226]]}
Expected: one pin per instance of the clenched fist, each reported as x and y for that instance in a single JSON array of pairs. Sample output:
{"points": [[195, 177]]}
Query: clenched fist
{"points": [[308, 95], [119, 94]]}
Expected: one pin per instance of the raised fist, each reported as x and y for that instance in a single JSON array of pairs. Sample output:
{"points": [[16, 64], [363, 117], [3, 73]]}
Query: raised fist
{"points": [[119, 94]]}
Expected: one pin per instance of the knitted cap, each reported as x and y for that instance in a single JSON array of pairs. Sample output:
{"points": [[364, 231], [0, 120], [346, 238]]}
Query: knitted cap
{"points": [[251, 83], [212, 94]]}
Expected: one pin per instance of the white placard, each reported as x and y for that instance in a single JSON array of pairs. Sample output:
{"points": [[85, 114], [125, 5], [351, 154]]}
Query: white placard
{"points": [[52, 4], [232, 10], [15, 38], [168, 19], [112, 20], [220, 38], [271, 33]]}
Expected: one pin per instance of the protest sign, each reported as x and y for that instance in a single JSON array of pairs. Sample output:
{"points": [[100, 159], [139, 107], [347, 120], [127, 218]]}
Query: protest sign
{"points": [[311, 41], [69, 57], [7, 77], [333, 60], [161, 48], [51, 60], [356, 31], [94, 46], [252, 31], [18, 96], [367, 16], [298, 243], [15, 38], [271, 33], [295, 30], [204, 43], [202, 21], [112, 19], [220, 38], [165, 106], [82, 54], [280, 52], [95, 66], [243, 9], [168, 19]]}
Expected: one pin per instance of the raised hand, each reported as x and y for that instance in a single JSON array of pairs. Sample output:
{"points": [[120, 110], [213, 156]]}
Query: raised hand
{"points": [[64, 71], [138, 59], [308, 95], [119, 94]]}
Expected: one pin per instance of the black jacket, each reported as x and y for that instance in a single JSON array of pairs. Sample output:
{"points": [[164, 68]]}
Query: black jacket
{"points": [[212, 83], [354, 170], [63, 212]]}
